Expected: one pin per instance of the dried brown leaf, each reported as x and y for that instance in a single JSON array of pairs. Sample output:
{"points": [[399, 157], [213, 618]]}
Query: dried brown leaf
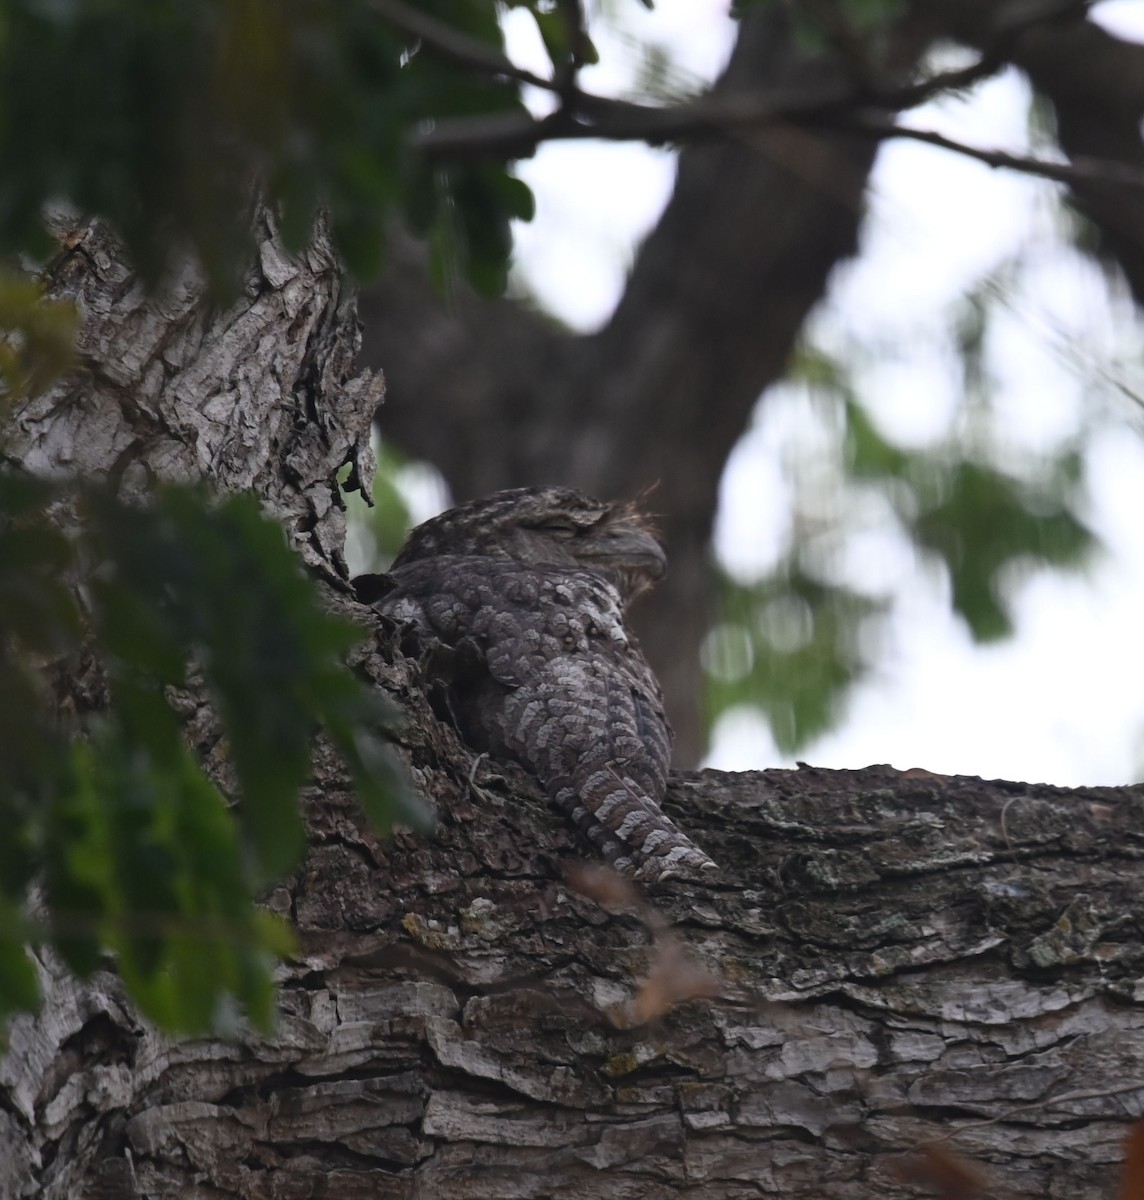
{"points": [[606, 886], [1132, 1173], [951, 1175], [674, 978]]}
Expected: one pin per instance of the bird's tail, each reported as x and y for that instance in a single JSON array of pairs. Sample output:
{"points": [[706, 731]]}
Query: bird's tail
{"points": [[631, 832]]}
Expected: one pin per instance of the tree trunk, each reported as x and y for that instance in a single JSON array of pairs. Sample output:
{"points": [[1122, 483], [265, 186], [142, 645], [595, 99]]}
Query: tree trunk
{"points": [[716, 298], [884, 959], [662, 392]]}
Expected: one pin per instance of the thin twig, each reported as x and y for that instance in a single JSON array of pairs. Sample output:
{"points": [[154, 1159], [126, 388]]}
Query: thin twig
{"points": [[1079, 170], [452, 43], [910, 95]]}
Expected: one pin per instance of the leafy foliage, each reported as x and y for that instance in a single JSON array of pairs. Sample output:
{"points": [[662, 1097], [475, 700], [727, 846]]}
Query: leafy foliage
{"points": [[790, 647], [978, 520], [142, 856], [163, 115]]}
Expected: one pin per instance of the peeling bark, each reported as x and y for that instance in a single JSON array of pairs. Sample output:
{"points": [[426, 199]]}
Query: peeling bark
{"points": [[260, 395]]}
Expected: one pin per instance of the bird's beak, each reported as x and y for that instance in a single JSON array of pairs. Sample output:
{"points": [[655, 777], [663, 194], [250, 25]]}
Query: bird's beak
{"points": [[645, 552], [633, 553]]}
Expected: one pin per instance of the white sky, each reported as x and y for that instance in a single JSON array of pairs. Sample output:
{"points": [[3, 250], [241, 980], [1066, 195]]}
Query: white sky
{"points": [[1062, 702]]}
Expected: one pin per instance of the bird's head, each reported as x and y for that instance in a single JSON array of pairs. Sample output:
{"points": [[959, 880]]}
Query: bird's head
{"points": [[547, 526]]}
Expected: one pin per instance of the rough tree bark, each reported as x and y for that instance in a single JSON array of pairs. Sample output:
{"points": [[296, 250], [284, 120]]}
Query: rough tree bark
{"points": [[716, 298], [898, 958]]}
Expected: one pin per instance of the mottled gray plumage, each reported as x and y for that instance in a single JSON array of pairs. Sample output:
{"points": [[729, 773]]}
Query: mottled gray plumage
{"points": [[534, 581]]}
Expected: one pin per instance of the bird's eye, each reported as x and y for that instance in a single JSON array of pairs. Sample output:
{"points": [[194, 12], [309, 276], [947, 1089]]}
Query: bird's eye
{"points": [[558, 529]]}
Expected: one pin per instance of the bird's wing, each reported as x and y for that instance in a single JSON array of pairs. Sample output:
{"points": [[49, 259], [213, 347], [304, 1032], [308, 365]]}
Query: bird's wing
{"points": [[572, 696]]}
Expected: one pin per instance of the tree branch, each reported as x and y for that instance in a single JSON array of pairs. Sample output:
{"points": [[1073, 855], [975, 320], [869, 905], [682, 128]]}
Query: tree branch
{"points": [[476, 55], [1095, 84], [585, 115], [1079, 171], [516, 135]]}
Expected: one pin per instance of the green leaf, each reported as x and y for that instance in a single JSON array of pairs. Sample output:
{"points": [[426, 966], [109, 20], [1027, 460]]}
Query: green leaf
{"points": [[35, 606], [32, 758], [79, 867], [142, 856], [789, 647], [553, 26], [137, 632], [147, 861], [987, 521], [868, 453], [19, 984]]}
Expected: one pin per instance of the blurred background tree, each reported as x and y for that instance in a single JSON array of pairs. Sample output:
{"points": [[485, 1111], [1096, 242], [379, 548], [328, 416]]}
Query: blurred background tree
{"points": [[735, 293]]}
